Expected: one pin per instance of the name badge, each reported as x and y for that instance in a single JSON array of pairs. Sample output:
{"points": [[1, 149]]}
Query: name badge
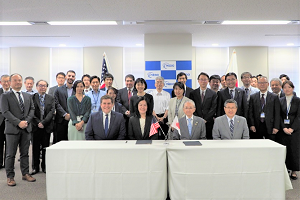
{"points": [[286, 121], [79, 118], [262, 115]]}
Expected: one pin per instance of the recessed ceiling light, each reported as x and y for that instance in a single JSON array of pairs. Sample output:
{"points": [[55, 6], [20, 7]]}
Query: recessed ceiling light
{"points": [[62, 45], [215, 44], [14, 23], [255, 22], [83, 23], [139, 45], [290, 44]]}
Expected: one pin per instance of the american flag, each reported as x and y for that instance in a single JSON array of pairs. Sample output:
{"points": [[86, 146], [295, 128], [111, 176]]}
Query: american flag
{"points": [[104, 70], [154, 126]]}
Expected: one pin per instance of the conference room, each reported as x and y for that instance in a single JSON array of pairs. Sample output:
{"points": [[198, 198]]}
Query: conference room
{"points": [[41, 38]]}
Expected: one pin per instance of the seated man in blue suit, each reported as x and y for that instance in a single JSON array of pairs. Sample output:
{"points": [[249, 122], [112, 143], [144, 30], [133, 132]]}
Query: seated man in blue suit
{"points": [[191, 126], [105, 124], [230, 126]]}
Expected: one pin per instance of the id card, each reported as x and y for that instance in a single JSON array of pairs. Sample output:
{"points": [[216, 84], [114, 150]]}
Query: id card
{"points": [[262, 115], [286, 121]]}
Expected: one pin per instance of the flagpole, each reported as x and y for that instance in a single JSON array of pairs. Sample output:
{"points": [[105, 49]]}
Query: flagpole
{"points": [[109, 69]]}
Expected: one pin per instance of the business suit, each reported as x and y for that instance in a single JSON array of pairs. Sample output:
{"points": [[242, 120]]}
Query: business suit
{"points": [[52, 90], [221, 130], [198, 129], [252, 90], [2, 135], [118, 108], [15, 136], [187, 92], [41, 136], [122, 97], [95, 129], [61, 96], [134, 129], [272, 115], [239, 97], [206, 109]]}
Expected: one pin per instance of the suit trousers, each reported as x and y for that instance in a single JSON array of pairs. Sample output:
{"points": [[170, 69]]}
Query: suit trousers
{"points": [[2, 141], [209, 127], [61, 132], [40, 138], [22, 139], [164, 126]]}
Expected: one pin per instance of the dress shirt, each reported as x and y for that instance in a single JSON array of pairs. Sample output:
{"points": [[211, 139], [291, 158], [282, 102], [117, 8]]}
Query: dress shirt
{"points": [[95, 99], [228, 119], [187, 120], [69, 90], [142, 125], [288, 100], [233, 92], [161, 101], [32, 92], [17, 95], [6, 91], [104, 117], [87, 90]]}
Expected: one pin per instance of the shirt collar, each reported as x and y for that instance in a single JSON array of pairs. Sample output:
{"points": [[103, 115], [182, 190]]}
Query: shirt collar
{"points": [[228, 119], [186, 117]]}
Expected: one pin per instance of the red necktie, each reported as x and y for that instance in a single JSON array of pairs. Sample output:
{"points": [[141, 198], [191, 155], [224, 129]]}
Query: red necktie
{"points": [[129, 96]]}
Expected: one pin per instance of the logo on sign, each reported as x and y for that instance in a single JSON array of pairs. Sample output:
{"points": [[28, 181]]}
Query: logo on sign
{"points": [[167, 65], [167, 83], [151, 74]]}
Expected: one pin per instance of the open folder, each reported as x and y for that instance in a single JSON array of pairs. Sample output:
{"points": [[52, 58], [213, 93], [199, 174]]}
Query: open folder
{"points": [[192, 143], [143, 142]]}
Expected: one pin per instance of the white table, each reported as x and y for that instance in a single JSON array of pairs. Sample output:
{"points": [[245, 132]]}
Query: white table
{"points": [[106, 170], [227, 169]]}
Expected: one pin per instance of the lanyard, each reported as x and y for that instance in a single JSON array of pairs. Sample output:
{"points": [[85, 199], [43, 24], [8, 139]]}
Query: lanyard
{"points": [[96, 100], [288, 108], [177, 107]]}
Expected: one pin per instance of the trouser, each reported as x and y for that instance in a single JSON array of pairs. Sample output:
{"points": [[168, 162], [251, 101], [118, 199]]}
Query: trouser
{"points": [[2, 141], [61, 132], [40, 138], [164, 126]]}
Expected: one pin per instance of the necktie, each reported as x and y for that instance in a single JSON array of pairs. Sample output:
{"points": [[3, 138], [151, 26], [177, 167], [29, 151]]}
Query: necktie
{"points": [[21, 102], [129, 95], [42, 102], [202, 96], [231, 127], [231, 94], [106, 124], [190, 126], [247, 91], [262, 103]]}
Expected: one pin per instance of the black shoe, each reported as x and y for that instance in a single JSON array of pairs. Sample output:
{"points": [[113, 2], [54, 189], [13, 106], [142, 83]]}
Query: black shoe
{"points": [[44, 170], [294, 176], [1, 166], [33, 172]]}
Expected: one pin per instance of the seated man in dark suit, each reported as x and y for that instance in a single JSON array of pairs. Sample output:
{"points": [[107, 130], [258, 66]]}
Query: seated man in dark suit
{"points": [[105, 124], [191, 127], [230, 126], [182, 77]]}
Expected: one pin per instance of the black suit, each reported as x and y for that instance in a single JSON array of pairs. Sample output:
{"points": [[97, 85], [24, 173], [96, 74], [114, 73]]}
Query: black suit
{"points": [[186, 93], [205, 109], [52, 90], [272, 115], [41, 136], [122, 97], [134, 129], [2, 135], [239, 96], [61, 96]]}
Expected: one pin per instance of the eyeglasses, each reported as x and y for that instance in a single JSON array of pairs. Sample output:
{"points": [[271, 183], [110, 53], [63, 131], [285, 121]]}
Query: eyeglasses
{"points": [[203, 80], [246, 77], [230, 108], [42, 86], [262, 83]]}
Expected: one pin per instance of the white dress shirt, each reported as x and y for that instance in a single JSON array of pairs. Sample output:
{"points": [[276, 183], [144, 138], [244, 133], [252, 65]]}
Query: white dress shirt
{"points": [[161, 101]]}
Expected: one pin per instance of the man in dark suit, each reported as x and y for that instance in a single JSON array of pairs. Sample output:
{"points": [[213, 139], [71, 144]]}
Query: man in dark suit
{"points": [[108, 81], [264, 112], [62, 114], [60, 79], [42, 124], [18, 109], [182, 77], [232, 92], [5, 82], [276, 86], [105, 124], [206, 103]]}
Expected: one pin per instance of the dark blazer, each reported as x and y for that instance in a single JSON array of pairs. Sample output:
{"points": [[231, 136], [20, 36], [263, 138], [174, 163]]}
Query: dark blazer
{"points": [[1, 116], [61, 96], [134, 99], [49, 109], [52, 90], [134, 129], [118, 108], [11, 110], [207, 109], [95, 130], [294, 113], [240, 97], [122, 97], [271, 110], [186, 93]]}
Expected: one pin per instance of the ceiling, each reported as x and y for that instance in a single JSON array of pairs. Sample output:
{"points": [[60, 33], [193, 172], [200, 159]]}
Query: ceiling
{"points": [[155, 16]]}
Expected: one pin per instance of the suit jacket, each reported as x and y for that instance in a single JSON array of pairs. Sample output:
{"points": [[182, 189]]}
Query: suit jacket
{"points": [[186, 93], [221, 130], [49, 109], [207, 109], [198, 129], [11, 110], [294, 113], [122, 97], [61, 96], [271, 110], [52, 90], [134, 129], [252, 90], [172, 107], [95, 129], [239, 97]]}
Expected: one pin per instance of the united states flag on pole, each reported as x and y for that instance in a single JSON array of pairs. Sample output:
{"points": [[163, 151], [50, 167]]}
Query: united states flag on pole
{"points": [[154, 126], [104, 70]]}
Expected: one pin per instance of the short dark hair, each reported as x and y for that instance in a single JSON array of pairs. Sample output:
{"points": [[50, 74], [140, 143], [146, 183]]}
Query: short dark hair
{"points": [[113, 89], [29, 78], [15, 74], [129, 76], [215, 76], [72, 71], [258, 75], [142, 98], [204, 74], [230, 101], [106, 97], [85, 75], [60, 73], [254, 77], [181, 74], [75, 85], [37, 83], [284, 75], [108, 75], [244, 73], [289, 83], [230, 74], [140, 80], [180, 85], [93, 77]]}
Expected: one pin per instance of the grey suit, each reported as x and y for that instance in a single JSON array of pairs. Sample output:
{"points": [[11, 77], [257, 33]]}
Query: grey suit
{"points": [[16, 136], [221, 130], [52, 90], [198, 129], [2, 135]]}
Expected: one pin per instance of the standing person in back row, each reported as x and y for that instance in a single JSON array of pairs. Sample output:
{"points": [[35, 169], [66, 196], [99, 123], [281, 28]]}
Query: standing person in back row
{"points": [[182, 77]]}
